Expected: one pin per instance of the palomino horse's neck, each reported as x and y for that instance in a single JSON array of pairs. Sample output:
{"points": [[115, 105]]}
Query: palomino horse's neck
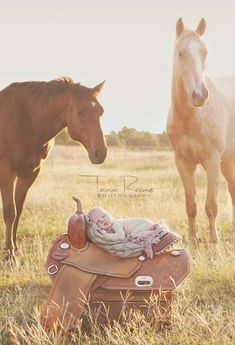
{"points": [[179, 98]]}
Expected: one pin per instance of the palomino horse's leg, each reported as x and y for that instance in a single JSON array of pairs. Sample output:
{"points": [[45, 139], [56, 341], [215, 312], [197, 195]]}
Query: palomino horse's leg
{"points": [[22, 186], [7, 186], [228, 170], [212, 167], [187, 170]]}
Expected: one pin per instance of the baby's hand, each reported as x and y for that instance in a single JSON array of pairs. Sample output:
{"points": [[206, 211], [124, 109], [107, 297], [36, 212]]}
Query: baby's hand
{"points": [[154, 226], [109, 230]]}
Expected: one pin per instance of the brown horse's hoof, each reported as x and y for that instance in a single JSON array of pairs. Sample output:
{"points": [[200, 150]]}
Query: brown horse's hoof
{"points": [[18, 253], [10, 259]]}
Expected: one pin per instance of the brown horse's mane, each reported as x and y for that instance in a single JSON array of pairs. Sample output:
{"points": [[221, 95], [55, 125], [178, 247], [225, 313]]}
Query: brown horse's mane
{"points": [[48, 89]]}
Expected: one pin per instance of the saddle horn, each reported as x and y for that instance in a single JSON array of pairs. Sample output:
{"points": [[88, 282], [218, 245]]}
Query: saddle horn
{"points": [[77, 227], [79, 204]]}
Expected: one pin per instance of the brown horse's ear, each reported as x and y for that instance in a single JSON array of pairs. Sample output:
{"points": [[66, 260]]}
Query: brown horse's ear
{"points": [[201, 27], [96, 90], [179, 26]]}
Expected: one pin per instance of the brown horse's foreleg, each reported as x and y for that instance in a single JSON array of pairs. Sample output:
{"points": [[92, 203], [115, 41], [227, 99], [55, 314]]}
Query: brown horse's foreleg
{"points": [[7, 186], [212, 167], [187, 170], [228, 170], [22, 186]]}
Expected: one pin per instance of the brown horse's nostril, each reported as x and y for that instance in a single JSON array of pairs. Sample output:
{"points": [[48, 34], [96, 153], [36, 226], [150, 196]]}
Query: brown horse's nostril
{"points": [[99, 155]]}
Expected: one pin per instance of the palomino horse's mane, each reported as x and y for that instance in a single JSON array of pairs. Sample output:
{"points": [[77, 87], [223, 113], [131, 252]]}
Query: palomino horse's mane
{"points": [[47, 89]]}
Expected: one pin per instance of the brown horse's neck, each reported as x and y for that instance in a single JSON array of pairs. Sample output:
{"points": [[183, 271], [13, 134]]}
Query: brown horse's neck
{"points": [[52, 119], [52, 127], [179, 98]]}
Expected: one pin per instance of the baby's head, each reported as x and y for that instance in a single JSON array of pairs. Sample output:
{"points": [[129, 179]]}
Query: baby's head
{"points": [[101, 217]]}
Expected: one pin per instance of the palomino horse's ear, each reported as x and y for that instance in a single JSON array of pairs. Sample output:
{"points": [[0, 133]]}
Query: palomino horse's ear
{"points": [[179, 26], [96, 90], [201, 27]]}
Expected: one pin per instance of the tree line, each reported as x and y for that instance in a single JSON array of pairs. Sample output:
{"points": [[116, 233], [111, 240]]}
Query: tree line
{"points": [[127, 137]]}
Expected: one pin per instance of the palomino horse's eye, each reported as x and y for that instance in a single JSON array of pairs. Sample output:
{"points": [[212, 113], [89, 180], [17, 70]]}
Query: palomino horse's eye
{"points": [[181, 54]]}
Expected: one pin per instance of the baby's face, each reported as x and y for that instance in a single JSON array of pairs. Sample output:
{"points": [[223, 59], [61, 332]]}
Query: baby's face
{"points": [[102, 218]]}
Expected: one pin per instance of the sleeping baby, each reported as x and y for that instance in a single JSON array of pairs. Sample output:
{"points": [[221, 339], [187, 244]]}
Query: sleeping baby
{"points": [[136, 234], [117, 229]]}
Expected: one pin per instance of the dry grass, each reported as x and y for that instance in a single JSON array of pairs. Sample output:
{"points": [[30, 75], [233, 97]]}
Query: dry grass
{"points": [[203, 309]]}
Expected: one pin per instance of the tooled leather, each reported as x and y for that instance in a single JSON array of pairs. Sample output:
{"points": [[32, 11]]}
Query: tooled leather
{"points": [[91, 259], [77, 230], [54, 246], [60, 254], [167, 238], [96, 260], [167, 272]]}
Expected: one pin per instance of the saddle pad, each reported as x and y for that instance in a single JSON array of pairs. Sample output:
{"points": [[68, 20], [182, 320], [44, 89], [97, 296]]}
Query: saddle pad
{"points": [[92, 259]]}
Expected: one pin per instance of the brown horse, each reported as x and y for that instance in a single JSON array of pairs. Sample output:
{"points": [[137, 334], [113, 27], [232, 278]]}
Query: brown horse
{"points": [[31, 114]]}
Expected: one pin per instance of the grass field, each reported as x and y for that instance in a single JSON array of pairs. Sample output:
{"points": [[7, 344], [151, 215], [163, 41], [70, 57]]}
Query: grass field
{"points": [[203, 308]]}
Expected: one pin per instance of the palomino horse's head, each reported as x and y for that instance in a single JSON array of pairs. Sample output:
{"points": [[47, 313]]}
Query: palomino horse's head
{"points": [[83, 122], [189, 61]]}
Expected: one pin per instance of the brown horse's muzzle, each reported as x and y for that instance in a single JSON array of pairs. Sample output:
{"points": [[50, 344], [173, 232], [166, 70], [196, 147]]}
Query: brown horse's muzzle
{"points": [[97, 155]]}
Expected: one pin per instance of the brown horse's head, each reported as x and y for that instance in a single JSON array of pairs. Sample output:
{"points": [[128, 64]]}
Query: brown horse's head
{"points": [[83, 122]]}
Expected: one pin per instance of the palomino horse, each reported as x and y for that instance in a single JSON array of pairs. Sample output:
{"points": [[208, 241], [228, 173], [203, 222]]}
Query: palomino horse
{"points": [[31, 114], [201, 124]]}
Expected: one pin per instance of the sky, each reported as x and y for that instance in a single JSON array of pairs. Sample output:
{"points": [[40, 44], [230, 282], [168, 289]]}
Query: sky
{"points": [[128, 43]]}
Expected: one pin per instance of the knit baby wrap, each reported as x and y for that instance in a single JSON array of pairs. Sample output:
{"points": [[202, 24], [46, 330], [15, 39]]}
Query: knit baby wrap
{"points": [[131, 245]]}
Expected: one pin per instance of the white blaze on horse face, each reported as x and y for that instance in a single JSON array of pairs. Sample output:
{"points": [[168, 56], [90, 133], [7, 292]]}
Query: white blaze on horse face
{"points": [[196, 78], [93, 104], [194, 49]]}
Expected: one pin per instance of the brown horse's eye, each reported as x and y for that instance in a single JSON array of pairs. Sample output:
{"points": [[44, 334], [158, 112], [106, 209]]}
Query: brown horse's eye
{"points": [[80, 113]]}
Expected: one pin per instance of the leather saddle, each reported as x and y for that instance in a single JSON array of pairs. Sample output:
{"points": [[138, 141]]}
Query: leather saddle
{"points": [[80, 270]]}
